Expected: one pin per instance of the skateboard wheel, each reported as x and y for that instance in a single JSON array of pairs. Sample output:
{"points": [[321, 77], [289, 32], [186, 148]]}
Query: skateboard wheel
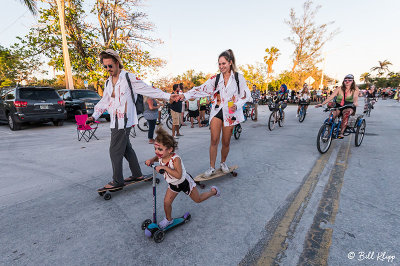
{"points": [[101, 194], [234, 174], [157, 180], [107, 196], [145, 224], [202, 186], [159, 236]]}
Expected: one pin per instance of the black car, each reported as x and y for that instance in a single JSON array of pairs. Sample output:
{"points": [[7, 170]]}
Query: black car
{"points": [[19, 105], [79, 102]]}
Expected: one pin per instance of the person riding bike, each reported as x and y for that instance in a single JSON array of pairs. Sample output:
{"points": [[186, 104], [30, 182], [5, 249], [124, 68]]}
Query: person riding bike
{"points": [[346, 95], [304, 98], [370, 98]]}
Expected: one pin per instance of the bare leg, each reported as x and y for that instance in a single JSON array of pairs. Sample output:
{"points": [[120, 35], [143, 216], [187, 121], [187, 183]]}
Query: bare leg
{"points": [[346, 114], [226, 140], [198, 120], [215, 128], [197, 197], [168, 199]]}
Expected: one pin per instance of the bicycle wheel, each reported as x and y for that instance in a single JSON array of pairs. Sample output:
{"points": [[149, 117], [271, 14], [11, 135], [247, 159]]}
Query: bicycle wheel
{"points": [[253, 114], [169, 122], [324, 138], [143, 125], [302, 115], [272, 120], [281, 121], [237, 131], [360, 132]]}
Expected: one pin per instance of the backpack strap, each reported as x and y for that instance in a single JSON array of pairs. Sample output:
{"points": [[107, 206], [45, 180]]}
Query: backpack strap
{"points": [[130, 86], [216, 81], [236, 78], [107, 82]]}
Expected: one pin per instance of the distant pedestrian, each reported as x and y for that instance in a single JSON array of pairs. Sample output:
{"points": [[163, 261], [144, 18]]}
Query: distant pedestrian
{"points": [[193, 109], [150, 114], [176, 113], [255, 94]]}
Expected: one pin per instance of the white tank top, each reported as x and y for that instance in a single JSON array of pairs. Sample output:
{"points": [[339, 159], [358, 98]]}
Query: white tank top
{"points": [[193, 105], [169, 178]]}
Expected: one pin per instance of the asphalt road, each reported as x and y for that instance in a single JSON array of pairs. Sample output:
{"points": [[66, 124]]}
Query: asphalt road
{"points": [[288, 205]]}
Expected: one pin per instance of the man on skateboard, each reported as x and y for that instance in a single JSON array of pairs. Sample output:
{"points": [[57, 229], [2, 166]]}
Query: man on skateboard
{"points": [[120, 100]]}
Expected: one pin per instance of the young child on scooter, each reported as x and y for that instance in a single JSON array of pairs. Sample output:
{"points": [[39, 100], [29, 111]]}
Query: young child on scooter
{"points": [[175, 175]]}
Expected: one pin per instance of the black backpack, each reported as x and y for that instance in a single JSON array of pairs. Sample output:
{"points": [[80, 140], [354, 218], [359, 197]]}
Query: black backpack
{"points": [[139, 99], [236, 78]]}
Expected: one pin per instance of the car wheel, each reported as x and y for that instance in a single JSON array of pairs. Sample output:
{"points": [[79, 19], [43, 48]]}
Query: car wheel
{"points": [[12, 123], [58, 123]]}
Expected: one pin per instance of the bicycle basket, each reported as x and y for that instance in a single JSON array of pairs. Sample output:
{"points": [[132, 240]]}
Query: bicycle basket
{"points": [[272, 106]]}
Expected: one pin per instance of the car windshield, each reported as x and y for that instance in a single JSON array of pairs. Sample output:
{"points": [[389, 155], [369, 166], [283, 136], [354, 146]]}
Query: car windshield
{"points": [[85, 94], [38, 94]]}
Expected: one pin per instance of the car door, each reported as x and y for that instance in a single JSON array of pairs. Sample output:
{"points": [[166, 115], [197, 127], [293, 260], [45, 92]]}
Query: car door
{"points": [[2, 108]]}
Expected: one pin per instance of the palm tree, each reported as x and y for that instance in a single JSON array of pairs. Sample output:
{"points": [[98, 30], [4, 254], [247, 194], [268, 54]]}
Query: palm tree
{"points": [[382, 68], [366, 77], [270, 58], [31, 5]]}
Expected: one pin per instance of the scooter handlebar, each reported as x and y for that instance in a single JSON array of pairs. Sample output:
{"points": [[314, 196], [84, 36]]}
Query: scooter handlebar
{"points": [[161, 171]]}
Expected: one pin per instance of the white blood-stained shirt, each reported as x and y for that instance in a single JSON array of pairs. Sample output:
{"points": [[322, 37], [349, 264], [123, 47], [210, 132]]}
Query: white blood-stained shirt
{"points": [[228, 93], [116, 105]]}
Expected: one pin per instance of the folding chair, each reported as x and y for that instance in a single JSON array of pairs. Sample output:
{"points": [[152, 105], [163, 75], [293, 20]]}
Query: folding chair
{"points": [[85, 131]]}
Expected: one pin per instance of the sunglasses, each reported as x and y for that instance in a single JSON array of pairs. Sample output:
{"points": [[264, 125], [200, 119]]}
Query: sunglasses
{"points": [[348, 80], [108, 66]]}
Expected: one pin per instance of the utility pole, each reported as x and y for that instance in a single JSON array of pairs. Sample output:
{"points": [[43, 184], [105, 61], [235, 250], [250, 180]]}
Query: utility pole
{"points": [[67, 64]]}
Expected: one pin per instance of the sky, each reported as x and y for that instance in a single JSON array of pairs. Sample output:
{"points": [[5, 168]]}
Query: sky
{"points": [[194, 33]]}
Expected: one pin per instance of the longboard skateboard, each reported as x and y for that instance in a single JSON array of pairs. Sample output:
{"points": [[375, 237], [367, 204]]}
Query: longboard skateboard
{"points": [[218, 173], [106, 193]]}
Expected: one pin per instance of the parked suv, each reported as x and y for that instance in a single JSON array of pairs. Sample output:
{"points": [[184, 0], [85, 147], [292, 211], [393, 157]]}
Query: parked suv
{"points": [[79, 102], [31, 104]]}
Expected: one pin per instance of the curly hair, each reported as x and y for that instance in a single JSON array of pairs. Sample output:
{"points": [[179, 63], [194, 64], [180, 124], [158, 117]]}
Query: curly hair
{"points": [[166, 139]]}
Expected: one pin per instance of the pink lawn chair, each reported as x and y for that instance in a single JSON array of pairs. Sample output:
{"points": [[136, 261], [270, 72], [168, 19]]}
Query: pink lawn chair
{"points": [[85, 131]]}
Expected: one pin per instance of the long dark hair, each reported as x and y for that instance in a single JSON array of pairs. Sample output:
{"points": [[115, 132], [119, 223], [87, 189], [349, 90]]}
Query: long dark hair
{"points": [[229, 56], [352, 87]]}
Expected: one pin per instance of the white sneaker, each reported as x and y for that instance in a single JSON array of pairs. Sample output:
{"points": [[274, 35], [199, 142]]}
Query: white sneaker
{"points": [[297, 115], [218, 192], [164, 223], [209, 172], [175, 137], [224, 168]]}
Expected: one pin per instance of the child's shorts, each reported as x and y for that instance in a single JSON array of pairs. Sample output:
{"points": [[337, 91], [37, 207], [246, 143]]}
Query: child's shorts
{"points": [[186, 186]]}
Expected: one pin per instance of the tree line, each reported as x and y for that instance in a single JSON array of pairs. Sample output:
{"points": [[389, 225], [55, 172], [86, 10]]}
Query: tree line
{"points": [[121, 25]]}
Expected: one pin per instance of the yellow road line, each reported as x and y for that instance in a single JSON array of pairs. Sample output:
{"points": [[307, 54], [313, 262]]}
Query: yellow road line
{"points": [[319, 240], [276, 244]]}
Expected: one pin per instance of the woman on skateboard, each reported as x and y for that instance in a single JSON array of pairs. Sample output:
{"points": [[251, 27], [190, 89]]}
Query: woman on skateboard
{"points": [[175, 175], [229, 92]]}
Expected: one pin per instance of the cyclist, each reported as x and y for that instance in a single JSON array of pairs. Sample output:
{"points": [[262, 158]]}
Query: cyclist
{"points": [[370, 98], [304, 99], [229, 95], [347, 94]]}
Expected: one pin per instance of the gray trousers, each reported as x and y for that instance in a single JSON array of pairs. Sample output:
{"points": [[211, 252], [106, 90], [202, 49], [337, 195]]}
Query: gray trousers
{"points": [[120, 147]]}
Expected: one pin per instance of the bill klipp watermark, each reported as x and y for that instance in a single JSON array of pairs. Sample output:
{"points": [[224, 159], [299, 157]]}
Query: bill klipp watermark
{"points": [[382, 256]]}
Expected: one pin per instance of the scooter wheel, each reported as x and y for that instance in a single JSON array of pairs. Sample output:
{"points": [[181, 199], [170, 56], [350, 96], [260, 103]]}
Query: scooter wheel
{"points": [[157, 180], [202, 186], [146, 223], [107, 196], [234, 174], [159, 236]]}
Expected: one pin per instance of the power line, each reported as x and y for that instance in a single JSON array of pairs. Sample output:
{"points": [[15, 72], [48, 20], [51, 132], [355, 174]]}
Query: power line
{"points": [[15, 21]]}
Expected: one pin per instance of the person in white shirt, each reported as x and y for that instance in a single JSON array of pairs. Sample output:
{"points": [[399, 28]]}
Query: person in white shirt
{"points": [[193, 108], [304, 98], [229, 93], [117, 100]]}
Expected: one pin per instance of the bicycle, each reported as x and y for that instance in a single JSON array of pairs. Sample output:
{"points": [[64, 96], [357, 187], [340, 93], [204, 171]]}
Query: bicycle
{"points": [[277, 116], [368, 106], [237, 130], [302, 112], [330, 129]]}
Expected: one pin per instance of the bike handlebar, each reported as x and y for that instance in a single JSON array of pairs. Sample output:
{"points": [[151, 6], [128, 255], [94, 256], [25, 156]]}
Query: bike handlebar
{"points": [[340, 108]]}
